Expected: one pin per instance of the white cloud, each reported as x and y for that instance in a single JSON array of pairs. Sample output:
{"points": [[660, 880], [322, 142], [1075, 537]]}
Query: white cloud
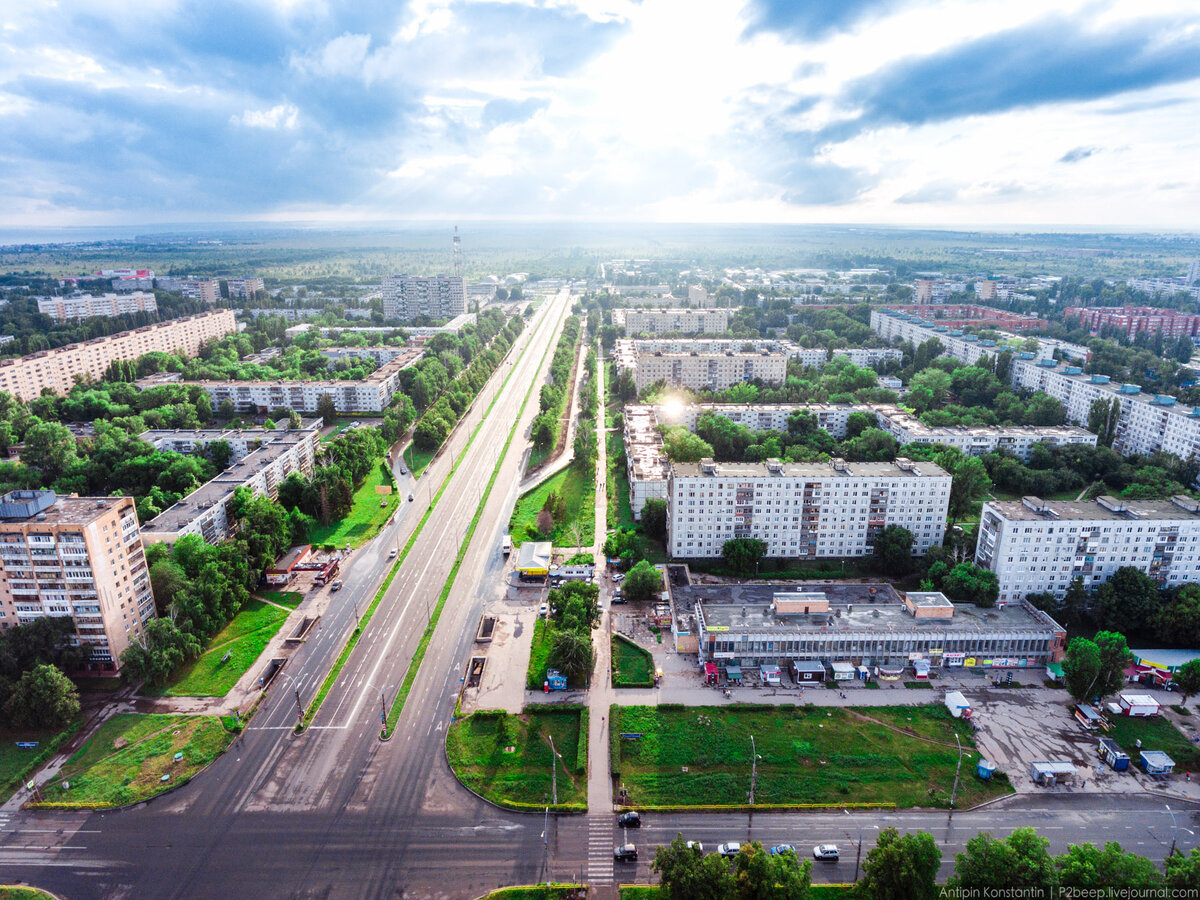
{"points": [[282, 116]]}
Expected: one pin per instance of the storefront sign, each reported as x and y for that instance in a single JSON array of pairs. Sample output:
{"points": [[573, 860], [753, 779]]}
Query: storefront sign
{"points": [[954, 659]]}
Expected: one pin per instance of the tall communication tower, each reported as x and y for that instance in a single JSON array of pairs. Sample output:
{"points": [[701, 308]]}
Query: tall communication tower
{"points": [[457, 253]]}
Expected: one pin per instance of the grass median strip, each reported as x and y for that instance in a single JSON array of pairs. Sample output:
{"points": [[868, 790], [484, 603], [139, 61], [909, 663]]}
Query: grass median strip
{"points": [[332, 677], [415, 664]]}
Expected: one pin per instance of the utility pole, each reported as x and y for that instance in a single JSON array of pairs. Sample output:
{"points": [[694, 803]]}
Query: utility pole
{"points": [[299, 707], [753, 768], [958, 768], [382, 708]]}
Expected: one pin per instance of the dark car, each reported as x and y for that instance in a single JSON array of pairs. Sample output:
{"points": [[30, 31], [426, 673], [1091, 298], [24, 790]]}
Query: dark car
{"points": [[625, 852], [629, 820]]}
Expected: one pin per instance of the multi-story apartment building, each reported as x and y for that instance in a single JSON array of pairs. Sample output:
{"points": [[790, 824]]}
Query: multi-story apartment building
{"points": [[977, 440], [936, 290], [84, 306], [966, 315], [59, 369], [672, 321], [245, 288], [803, 510], [410, 296], [970, 348], [1134, 319], [871, 625], [242, 441], [1165, 287], [369, 395], [704, 364], [698, 296], [79, 557], [381, 355], [1147, 422], [205, 510], [207, 290], [645, 461], [1036, 545]]}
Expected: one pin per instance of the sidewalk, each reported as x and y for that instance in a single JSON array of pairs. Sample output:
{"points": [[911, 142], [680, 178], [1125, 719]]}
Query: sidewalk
{"points": [[566, 453]]}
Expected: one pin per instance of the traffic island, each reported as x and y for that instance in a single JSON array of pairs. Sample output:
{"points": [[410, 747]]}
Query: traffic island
{"points": [[134, 757], [507, 759], [537, 892], [671, 756]]}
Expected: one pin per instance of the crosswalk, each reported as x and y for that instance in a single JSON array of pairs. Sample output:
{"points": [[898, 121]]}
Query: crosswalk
{"points": [[600, 850]]}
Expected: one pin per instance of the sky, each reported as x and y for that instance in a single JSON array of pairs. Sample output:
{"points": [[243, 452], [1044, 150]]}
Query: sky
{"points": [[974, 113]]}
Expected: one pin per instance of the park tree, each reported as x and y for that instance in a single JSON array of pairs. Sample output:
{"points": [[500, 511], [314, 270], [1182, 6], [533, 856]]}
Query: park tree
{"points": [[1114, 659], [1020, 861], [900, 867], [1183, 871], [759, 875], [162, 649], [50, 448], [681, 445], [43, 698], [576, 604], [893, 550], [1102, 419], [968, 583], [969, 481], [1081, 668], [643, 583], [545, 524], [572, 654], [1187, 679], [686, 874], [1086, 866], [856, 424], [326, 408], [743, 554], [1178, 621], [654, 518], [1129, 602]]}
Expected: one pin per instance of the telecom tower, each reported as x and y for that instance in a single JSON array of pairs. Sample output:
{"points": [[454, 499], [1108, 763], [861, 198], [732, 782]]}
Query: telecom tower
{"points": [[457, 253]]}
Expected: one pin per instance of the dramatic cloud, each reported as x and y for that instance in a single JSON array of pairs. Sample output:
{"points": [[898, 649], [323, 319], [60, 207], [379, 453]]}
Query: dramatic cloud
{"points": [[847, 110]]}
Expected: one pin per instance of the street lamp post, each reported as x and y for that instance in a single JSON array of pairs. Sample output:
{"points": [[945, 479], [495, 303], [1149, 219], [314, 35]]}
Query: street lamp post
{"points": [[753, 768], [858, 855], [299, 705], [1175, 829], [553, 769], [958, 768]]}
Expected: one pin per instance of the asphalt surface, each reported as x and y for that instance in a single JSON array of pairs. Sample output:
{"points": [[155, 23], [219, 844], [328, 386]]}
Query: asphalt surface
{"points": [[337, 813]]}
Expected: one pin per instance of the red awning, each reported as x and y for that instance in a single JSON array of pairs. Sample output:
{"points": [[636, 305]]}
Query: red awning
{"points": [[710, 668]]}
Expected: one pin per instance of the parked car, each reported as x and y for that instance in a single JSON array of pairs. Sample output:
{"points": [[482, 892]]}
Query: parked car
{"points": [[625, 852], [336, 586], [410, 497], [618, 577], [617, 598], [403, 471], [696, 845], [543, 609], [826, 851], [629, 819], [780, 849], [732, 848]]}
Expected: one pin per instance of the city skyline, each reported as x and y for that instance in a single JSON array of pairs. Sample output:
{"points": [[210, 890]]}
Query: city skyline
{"points": [[880, 111]]}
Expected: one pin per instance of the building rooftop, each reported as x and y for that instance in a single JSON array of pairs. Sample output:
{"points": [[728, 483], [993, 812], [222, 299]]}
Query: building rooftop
{"points": [[46, 507], [901, 468], [408, 357], [1029, 509], [220, 488], [914, 425], [852, 608], [206, 435]]}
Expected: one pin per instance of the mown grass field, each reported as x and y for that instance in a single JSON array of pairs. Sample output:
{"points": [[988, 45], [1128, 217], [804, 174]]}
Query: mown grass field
{"points": [[211, 675], [22, 893], [290, 599], [620, 514], [537, 892], [631, 665], [125, 760], [366, 515], [16, 763], [418, 461], [808, 755], [507, 758], [1155, 734], [579, 492]]}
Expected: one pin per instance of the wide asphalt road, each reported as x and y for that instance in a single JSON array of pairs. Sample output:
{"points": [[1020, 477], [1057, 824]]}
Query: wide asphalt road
{"points": [[336, 813]]}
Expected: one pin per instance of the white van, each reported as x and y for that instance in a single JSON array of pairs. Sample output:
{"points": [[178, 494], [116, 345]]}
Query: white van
{"points": [[506, 545]]}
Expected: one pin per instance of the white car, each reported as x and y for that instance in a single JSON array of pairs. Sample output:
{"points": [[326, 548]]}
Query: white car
{"points": [[618, 577], [733, 848], [543, 609], [826, 851], [697, 846]]}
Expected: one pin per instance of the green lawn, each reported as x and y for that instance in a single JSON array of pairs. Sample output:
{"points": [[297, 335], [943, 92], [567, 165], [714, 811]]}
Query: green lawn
{"points": [[211, 675], [807, 755], [631, 665], [620, 514], [290, 599], [23, 893], [579, 490], [537, 892], [1155, 733], [418, 460], [507, 758], [366, 515], [639, 891], [539, 654], [17, 764], [125, 760]]}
